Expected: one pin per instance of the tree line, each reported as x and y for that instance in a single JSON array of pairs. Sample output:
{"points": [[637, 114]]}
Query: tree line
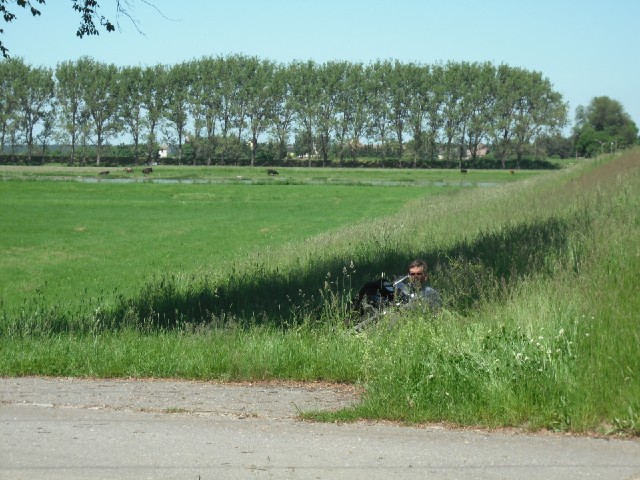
{"points": [[215, 107]]}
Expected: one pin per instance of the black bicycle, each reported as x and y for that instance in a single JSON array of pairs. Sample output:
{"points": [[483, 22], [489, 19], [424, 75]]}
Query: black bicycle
{"points": [[378, 297]]}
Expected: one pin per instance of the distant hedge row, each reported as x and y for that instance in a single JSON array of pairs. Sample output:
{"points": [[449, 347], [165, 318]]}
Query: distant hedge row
{"points": [[480, 163]]}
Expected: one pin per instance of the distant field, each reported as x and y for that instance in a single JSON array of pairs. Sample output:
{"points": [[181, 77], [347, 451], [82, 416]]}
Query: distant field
{"points": [[231, 174], [69, 233]]}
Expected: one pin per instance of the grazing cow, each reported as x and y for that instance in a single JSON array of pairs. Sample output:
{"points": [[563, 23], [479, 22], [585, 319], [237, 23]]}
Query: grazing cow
{"points": [[105, 172], [128, 170], [463, 170], [147, 170], [272, 172]]}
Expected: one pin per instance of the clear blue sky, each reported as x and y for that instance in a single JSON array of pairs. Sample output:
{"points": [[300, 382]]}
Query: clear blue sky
{"points": [[586, 48]]}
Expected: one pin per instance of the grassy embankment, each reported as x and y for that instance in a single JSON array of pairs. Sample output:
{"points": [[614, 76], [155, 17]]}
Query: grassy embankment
{"points": [[540, 328]]}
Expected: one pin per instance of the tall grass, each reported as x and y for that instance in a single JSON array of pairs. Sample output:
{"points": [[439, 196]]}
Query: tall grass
{"points": [[557, 348], [259, 353], [540, 327]]}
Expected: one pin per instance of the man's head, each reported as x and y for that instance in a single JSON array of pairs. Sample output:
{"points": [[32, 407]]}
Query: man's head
{"points": [[418, 271]]}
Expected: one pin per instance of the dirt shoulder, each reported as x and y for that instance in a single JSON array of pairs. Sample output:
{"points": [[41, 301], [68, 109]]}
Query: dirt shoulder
{"points": [[276, 400]]}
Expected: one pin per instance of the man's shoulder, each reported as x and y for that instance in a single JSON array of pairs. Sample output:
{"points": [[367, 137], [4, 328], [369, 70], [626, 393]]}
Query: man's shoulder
{"points": [[431, 295]]}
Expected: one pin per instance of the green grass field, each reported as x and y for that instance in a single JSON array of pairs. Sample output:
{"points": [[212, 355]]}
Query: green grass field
{"points": [[539, 274]]}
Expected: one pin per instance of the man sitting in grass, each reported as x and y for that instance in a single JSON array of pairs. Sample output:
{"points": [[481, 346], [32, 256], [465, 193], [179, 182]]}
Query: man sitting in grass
{"points": [[418, 287]]}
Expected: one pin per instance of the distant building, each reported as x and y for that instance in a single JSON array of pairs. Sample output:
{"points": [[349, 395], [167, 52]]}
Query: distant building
{"points": [[481, 151], [166, 150]]}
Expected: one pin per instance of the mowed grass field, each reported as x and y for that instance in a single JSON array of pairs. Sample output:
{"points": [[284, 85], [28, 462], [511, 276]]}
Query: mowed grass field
{"points": [[70, 233]]}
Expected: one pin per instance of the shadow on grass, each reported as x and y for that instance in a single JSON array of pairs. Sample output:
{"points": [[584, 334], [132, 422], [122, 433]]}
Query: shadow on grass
{"points": [[474, 270], [467, 273]]}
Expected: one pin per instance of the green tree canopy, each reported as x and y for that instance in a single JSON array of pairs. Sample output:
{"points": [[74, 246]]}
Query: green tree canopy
{"points": [[602, 126]]}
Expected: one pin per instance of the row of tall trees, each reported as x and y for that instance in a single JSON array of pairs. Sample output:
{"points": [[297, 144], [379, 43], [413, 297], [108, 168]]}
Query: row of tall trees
{"points": [[446, 111]]}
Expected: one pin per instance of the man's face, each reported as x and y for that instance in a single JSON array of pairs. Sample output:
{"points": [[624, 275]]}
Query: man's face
{"points": [[417, 275]]}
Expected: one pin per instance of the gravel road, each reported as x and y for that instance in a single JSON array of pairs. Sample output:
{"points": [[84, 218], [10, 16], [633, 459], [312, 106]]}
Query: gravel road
{"points": [[56, 428]]}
